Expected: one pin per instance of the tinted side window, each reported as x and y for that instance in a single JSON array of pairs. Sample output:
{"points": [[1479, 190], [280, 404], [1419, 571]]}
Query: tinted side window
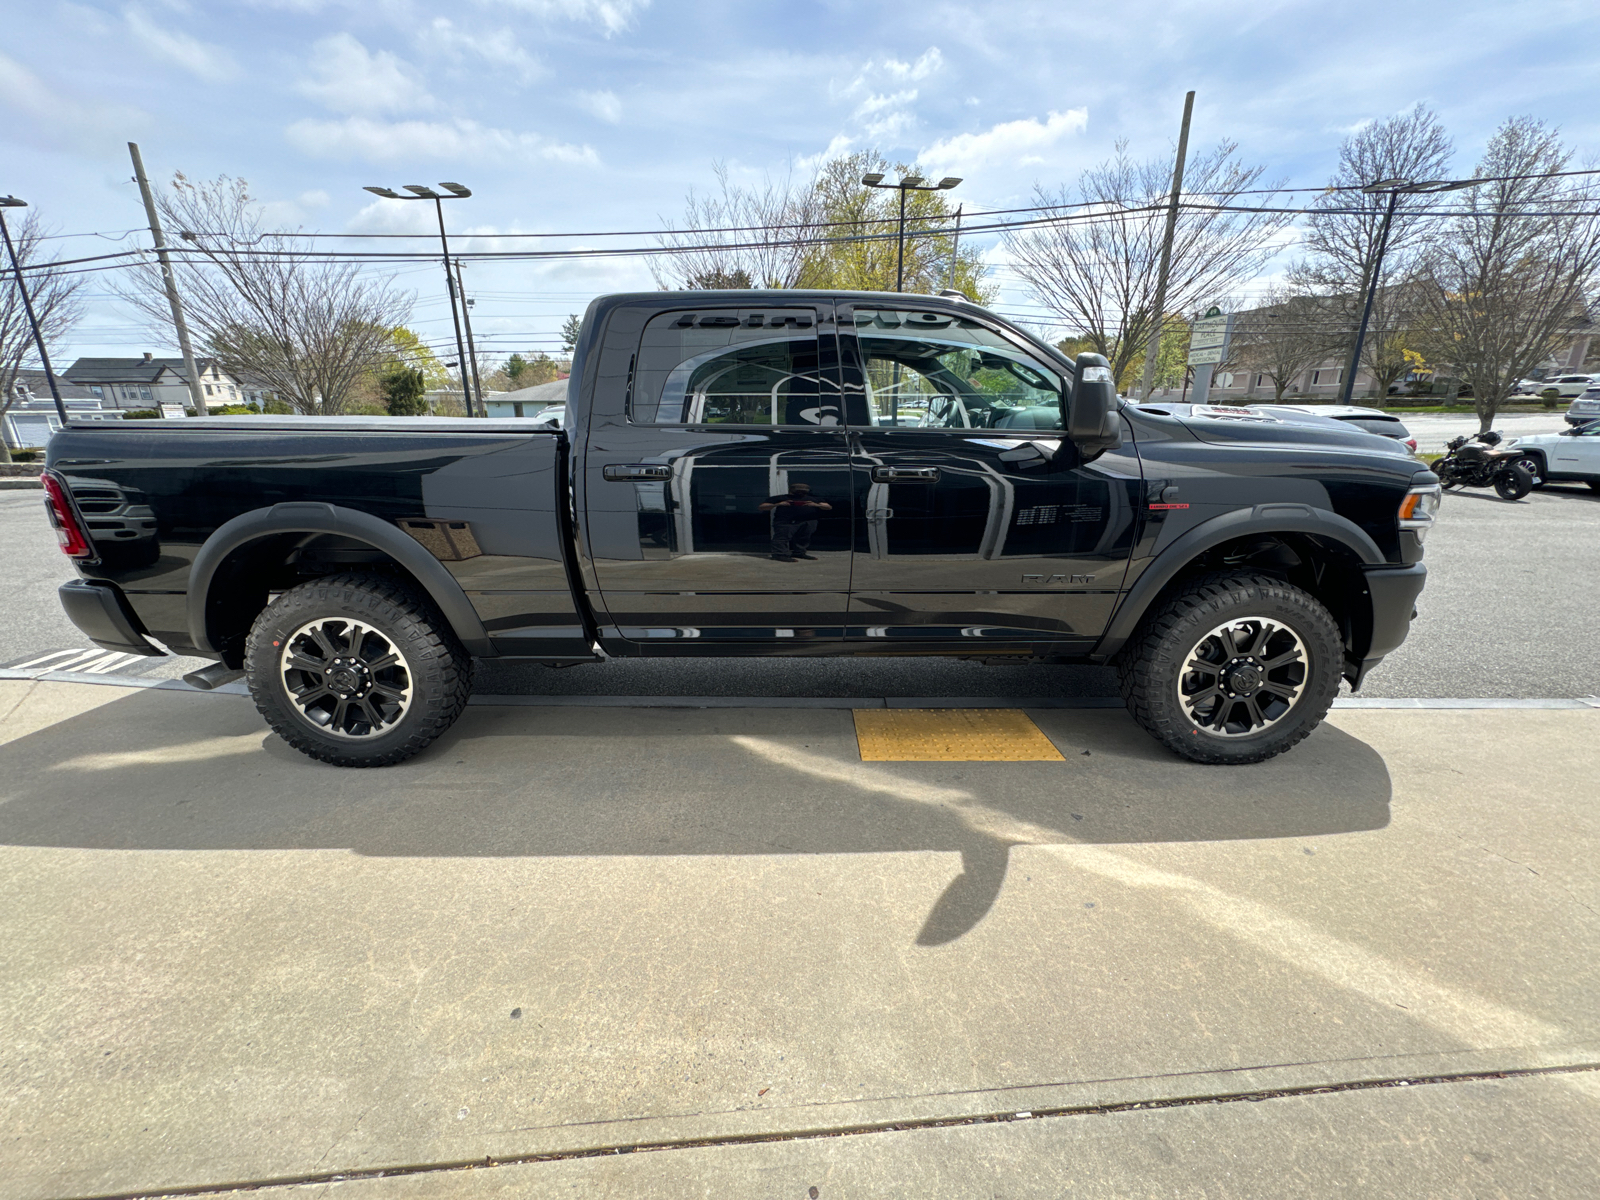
{"points": [[932, 370], [731, 366]]}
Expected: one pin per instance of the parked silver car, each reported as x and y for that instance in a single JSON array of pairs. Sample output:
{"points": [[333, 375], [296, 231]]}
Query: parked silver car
{"points": [[1586, 407]]}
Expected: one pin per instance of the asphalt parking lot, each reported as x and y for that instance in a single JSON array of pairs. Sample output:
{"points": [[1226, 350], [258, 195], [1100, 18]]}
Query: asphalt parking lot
{"points": [[1503, 615]]}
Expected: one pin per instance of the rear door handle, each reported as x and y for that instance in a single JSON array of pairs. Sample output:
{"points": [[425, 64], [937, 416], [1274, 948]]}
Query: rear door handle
{"points": [[629, 472], [905, 474]]}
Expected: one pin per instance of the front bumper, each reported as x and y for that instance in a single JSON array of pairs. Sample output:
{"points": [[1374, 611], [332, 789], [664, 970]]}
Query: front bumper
{"points": [[101, 611], [1394, 592]]}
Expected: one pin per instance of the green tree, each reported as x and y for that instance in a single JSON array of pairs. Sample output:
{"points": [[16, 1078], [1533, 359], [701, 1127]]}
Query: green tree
{"points": [[404, 392], [857, 245], [569, 333]]}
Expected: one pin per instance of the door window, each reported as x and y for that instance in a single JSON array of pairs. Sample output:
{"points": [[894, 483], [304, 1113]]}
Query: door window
{"points": [[929, 370], [731, 366]]}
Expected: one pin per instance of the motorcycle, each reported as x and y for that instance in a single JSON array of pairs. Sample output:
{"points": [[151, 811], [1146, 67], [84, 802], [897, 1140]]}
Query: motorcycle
{"points": [[1480, 461]]}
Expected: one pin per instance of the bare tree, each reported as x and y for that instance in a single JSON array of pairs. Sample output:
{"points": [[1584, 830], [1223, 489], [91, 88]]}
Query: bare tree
{"points": [[1514, 274], [1345, 225], [1095, 267], [311, 330], [1285, 335], [55, 302], [740, 237]]}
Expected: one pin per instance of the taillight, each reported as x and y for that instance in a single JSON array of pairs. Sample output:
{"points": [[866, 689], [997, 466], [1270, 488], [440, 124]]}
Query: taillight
{"points": [[64, 516], [1411, 444]]}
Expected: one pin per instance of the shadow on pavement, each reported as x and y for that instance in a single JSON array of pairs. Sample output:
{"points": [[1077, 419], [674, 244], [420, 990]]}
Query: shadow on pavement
{"points": [[171, 771]]}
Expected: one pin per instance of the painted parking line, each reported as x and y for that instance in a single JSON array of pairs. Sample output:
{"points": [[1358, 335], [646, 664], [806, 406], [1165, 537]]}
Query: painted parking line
{"points": [[81, 662], [951, 735]]}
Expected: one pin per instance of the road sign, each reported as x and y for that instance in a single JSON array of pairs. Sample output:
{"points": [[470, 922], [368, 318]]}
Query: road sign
{"points": [[172, 410], [1211, 338]]}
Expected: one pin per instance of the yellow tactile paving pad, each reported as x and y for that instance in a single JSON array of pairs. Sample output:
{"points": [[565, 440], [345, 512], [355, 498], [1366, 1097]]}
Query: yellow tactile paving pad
{"points": [[951, 735]]}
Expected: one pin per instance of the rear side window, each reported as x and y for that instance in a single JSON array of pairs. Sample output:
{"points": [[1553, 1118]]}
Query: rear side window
{"points": [[731, 366], [1388, 428]]}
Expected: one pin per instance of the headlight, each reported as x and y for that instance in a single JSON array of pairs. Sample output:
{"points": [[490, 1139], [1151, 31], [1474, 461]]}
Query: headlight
{"points": [[1419, 508]]}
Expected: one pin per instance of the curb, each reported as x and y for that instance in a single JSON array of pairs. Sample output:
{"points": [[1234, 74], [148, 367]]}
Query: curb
{"points": [[238, 688], [18, 483]]}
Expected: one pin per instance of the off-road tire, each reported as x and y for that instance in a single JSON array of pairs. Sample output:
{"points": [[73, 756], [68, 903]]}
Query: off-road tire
{"points": [[1513, 483], [1152, 663], [438, 667]]}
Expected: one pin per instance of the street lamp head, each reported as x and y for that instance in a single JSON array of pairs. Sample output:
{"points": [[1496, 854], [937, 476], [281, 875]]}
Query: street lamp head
{"points": [[1443, 185], [1386, 185], [457, 189], [873, 180], [12, 202], [948, 182], [427, 193], [911, 181], [387, 193]]}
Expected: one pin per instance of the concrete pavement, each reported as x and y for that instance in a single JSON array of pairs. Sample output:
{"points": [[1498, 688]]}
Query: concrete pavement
{"points": [[567, 929]]}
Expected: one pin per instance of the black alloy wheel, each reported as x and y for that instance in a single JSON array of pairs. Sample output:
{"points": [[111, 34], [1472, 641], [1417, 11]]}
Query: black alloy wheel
{"points": [[1235, 668], [356, 670]]}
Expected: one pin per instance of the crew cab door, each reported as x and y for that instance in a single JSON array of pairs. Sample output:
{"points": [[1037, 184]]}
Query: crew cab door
{"points": [[976, 519], [726, 406]]}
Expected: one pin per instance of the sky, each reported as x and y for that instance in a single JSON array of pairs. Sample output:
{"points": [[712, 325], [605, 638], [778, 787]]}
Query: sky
{"points": [[582, 116]]}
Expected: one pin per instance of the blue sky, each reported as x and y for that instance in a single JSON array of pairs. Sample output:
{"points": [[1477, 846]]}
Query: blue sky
{"points": [[576, 115]]}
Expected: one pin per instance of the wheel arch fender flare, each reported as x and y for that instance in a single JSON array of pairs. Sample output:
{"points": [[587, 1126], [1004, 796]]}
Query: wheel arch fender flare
{"points": [[1261, 519], [313, 518]]}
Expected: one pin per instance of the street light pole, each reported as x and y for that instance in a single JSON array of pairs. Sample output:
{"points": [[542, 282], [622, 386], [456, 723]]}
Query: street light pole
{"points": [[457, 192], [27, 303], [1394, 188], [911, 183]]}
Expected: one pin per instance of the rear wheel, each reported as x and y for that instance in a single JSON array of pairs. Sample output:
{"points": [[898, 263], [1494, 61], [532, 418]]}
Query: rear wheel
{"points": [[1236, 668], [1513, 482], [356, 670]]}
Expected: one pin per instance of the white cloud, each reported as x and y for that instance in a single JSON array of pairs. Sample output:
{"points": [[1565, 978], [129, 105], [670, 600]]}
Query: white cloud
{"points": [[498, 48], [457, 140], [349, 78], [611, 15], [205, 61], [886, 116], [1011, 143], [48, 119], [604, 105], [927, 63]]}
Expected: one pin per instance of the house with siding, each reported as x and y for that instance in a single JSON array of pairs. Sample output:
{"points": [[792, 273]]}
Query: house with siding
{"points": [[149, 381]]}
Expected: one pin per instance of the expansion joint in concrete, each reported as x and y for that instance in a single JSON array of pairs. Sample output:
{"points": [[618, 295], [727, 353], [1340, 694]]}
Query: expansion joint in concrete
{"points": [[798, 1135]]}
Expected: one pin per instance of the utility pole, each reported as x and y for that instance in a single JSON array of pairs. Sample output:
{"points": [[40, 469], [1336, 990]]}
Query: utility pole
{"points": [[168, 278], [472, 351], [27, 303], [955, 247], [1153, 350]]}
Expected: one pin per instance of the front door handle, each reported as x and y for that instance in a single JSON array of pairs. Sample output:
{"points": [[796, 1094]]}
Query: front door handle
{"points": [[631, 472], [905, 474]]}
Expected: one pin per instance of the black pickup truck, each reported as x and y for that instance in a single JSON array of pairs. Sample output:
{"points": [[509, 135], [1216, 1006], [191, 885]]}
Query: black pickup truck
{"points": [[758, 473]]}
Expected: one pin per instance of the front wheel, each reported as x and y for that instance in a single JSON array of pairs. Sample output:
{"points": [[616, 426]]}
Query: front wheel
{"points": [[356, 670], [1513, 482], [1236, 668]]}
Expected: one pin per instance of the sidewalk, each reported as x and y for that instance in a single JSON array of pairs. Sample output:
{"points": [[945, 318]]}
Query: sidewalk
{"points": [[566, 929]]}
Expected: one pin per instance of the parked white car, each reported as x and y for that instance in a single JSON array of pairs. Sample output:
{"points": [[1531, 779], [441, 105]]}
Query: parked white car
{"points": [[1586, 407], [1568, 387], [1573, 454]]}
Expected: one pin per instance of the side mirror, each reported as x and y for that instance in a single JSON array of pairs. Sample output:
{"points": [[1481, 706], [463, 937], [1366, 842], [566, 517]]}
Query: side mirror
{"points": [[1091, 418]]}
